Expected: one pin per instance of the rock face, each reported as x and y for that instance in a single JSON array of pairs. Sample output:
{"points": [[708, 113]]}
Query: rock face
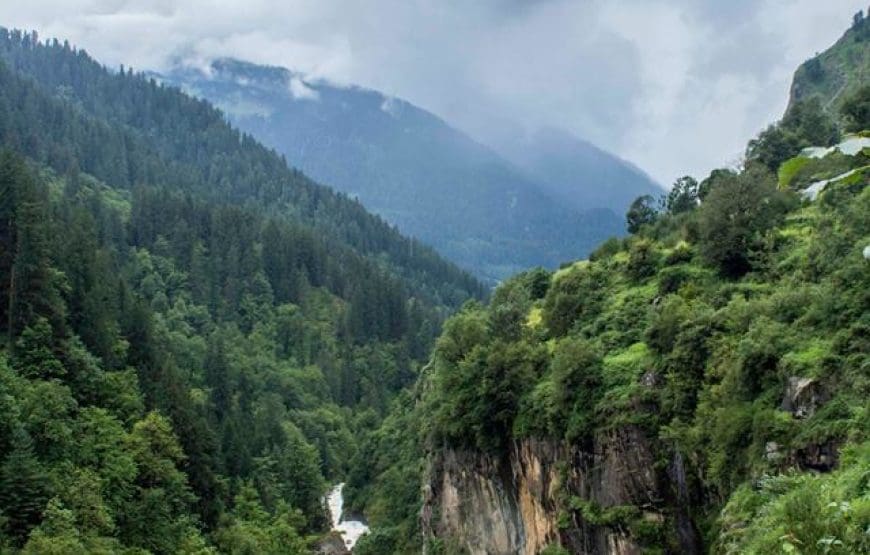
{"points": [[592, 499], [802, 396]]}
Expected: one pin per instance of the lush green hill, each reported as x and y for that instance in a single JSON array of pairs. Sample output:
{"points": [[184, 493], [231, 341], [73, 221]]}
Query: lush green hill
{"points": [[701, 385], [428, 178], [192, 335]]}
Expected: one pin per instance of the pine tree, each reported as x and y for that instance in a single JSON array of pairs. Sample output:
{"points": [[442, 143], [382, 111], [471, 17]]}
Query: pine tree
{"points": [[23, 488], [33, 286]]}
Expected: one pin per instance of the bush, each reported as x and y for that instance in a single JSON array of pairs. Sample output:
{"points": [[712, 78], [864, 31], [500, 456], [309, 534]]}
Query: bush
{"points": [[671, 279], [607, 249], [802, 513], [377, 542], [576, 375], [856, 110], [682, 252], [642, 260], [574, 295]]}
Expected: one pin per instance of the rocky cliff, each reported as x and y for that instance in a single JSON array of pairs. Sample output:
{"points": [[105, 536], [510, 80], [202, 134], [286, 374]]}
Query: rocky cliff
{"points": [[612, 496]]}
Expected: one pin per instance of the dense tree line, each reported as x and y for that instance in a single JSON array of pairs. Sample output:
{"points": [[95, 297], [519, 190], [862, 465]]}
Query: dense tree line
{"points": [[111, 335], [62, 108], [193, 335]]}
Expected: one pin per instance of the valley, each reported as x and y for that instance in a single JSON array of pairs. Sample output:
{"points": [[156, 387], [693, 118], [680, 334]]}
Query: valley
{"points": [[247, 312]]}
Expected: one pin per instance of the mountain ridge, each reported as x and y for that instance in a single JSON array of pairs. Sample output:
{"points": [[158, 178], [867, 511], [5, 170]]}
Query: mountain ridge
{"points": [[430, 179]]}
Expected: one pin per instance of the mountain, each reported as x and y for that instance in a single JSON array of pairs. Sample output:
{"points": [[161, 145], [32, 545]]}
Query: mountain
{"points": [[192, 333], [418, 172], [839, 71], [577, 172], [699, 386]]}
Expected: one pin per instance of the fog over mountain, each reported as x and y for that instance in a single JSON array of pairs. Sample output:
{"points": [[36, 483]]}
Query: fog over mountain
{"points": [[649, 81], [542, 203], [358, 278]]}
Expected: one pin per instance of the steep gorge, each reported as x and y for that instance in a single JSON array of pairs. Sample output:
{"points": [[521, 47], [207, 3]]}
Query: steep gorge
{"points": [[699, 386], [599, 499]]}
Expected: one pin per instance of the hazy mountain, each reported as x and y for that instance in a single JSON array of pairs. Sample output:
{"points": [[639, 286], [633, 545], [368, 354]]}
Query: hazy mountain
{"points": [[418, 172], [577, 172]]}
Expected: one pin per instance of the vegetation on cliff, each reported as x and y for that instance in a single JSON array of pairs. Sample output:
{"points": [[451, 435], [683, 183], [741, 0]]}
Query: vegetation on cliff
{"points": [[731, 328]]}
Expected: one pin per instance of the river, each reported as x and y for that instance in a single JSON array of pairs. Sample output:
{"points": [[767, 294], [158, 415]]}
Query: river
{"points": [[350, 530]]}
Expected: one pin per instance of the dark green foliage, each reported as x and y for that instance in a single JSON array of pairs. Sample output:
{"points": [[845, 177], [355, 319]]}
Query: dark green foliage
{"points": [[379, 541], [32, 285], [683, 196], [386, 475], [671, 279], [576, 373], [192, 326], [713, 180], [607, 249], [805, 124], [642, 260], [575, 295], [641, 212], [33, 354], [694, 335], [512, 300], [814, 69], [735, 216], [23, 488], [855, 110]]}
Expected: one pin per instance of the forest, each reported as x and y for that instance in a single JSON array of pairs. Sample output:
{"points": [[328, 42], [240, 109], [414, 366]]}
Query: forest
{"points": [[197, 341], [193, 335]]}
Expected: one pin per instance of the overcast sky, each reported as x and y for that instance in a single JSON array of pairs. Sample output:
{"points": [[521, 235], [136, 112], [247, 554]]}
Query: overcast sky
{"points": [[676, 86]]}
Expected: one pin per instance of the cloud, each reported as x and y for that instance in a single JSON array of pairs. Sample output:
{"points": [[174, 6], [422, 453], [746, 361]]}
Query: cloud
{"points": [[676, 86], [300, 91]]}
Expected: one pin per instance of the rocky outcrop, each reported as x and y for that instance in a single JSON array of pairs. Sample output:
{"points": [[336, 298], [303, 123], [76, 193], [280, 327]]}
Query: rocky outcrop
{"points": [[606, 497], [803, 396]]}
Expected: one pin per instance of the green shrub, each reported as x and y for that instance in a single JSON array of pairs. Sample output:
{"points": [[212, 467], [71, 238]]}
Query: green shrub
{"points": [[642, 260]]}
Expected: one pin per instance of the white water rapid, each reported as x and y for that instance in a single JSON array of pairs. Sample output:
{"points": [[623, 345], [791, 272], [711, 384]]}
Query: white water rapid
{"points": [[350, 530]]}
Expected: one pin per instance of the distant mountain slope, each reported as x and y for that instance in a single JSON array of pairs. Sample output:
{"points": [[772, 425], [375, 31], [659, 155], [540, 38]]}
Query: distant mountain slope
{"points": [[407, 165], [577, 172], [127, 130], [837, 72]]}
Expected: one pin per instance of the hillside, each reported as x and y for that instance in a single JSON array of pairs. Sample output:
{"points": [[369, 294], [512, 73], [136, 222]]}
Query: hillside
{"points": [[419, 173], [192, 334], [839, 71], [699, 386]]}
